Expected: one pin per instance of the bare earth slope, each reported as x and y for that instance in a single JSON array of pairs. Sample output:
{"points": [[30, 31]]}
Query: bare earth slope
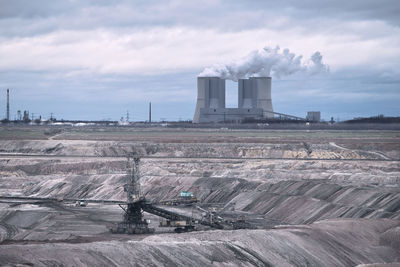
{"points": [[316, 199], [327, 243]]}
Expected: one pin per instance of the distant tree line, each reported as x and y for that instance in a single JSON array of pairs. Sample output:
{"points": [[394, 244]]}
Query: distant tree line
{"points": [[374, 119]]}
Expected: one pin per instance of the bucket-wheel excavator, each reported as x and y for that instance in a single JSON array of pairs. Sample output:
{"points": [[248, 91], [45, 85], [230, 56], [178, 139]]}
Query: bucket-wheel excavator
{"points": [[133, 221]]}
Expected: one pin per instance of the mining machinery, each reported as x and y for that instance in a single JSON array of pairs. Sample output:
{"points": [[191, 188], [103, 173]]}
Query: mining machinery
{"points": [[133, 221], [185, 198], [136, 204]]}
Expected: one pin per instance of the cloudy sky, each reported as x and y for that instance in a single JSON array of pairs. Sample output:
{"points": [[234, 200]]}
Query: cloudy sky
{"points": [[98, 59]]}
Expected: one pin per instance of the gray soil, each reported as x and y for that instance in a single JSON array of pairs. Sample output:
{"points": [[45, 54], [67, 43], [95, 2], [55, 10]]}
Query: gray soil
{"points": [[324, 198]]}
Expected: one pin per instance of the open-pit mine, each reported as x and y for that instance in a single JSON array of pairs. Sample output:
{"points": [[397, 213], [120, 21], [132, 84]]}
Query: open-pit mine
{"points": [[278, 197]]}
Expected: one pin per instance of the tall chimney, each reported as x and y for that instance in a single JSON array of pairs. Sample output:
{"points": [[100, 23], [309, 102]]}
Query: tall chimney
{"points": [[8, 104], [149, 112]]}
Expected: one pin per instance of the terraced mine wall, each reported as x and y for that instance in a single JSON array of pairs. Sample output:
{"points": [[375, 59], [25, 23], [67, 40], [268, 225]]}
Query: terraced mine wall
{"points": [[299, 149], [329, 243], [323, 204]]}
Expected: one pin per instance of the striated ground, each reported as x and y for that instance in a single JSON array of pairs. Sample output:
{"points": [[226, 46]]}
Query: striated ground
{"points": [[328, 243], [318, 199]]}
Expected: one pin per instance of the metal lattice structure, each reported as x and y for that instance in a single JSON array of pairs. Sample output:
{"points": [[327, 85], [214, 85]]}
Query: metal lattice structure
{"points": [[133, 221], [132, 187]]}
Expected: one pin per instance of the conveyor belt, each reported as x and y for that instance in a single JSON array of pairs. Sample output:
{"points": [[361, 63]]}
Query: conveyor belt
{"points": [[147, 207], [175, 216]]}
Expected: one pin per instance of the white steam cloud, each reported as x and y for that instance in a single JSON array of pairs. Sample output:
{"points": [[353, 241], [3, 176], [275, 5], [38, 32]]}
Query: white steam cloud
{"points": [[267, 62]]}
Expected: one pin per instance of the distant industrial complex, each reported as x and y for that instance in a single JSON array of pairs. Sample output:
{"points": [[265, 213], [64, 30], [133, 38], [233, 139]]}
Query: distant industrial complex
{"points": [[254, 101], [254, 106]]}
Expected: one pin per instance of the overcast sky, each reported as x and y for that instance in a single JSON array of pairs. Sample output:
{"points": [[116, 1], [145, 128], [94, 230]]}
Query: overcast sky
{"points": [[98, 59]]}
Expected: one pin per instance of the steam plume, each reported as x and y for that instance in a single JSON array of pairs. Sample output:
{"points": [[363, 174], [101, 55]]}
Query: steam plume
{"points": [[267, 62]]}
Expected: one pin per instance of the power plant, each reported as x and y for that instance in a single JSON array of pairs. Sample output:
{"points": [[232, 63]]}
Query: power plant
{"points": [[254, 100]]}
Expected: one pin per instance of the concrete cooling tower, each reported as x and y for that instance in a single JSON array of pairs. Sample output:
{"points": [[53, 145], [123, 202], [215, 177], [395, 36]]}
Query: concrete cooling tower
{"points": [[255, 92], [254, 100], [210, 96]]}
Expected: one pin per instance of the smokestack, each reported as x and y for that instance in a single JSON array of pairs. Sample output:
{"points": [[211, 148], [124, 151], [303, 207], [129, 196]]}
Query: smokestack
{"points": [[149, 112], [8, 104]]}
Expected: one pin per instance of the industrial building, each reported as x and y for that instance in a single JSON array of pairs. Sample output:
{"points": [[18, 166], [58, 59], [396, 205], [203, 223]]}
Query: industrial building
{"points": [[314, 116], [254, 100]]}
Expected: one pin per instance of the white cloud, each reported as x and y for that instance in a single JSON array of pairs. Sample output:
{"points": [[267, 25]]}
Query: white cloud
{"points": [[74, 47], [174, 49]]}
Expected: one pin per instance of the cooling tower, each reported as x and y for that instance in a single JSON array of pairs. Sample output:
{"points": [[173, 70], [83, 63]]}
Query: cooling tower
{"points": [[255, 92], [210, 95], [246, 94]]}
